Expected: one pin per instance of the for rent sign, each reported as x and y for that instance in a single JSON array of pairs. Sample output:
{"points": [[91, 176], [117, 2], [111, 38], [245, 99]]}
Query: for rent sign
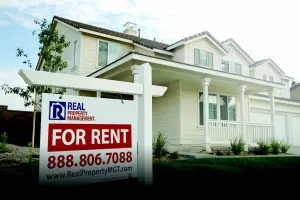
{"points": [[87, 140]]}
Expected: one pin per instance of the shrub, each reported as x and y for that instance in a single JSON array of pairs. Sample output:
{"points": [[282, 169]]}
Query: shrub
{"points": [[275, 146], [174, 155], [3, 146], [284, 146], [264, 147], [159, 145], [237, 145]]}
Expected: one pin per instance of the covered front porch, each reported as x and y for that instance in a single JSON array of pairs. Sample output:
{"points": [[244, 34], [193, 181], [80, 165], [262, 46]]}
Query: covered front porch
{"points": [[202, 107]]}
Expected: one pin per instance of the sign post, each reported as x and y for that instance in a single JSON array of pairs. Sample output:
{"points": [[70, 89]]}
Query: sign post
{"points": [[86, 137]]}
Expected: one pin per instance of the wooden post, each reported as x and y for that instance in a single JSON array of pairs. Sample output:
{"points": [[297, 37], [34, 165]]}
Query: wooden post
{"points": [[34, 119]]}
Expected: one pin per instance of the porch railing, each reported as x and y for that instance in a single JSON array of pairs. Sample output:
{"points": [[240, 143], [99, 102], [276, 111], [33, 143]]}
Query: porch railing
{"points": [[221, 132], [258, 131]]}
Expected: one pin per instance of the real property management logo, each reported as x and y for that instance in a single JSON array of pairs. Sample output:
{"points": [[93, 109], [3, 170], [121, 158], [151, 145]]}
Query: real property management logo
{"points": [[67, 110]]}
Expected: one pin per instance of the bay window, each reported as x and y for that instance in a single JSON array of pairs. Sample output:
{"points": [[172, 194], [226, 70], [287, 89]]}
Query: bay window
{"points": [[227, 105]]}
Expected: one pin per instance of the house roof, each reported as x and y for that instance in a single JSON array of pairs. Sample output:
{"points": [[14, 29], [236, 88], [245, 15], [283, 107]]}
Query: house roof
{"points": [[138, 40], [204, 33], [260, 62], [231, 40]]}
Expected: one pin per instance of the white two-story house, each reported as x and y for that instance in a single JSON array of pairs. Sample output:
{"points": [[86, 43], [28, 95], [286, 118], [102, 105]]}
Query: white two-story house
{"points": [[216, 91]]}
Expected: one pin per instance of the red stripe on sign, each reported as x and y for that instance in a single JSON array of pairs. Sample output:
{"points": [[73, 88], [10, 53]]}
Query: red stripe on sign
{"points": [[71, 137]]}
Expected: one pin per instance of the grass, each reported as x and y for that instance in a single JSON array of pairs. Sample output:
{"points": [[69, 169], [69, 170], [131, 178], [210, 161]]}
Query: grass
{"points": [[215, 174]]}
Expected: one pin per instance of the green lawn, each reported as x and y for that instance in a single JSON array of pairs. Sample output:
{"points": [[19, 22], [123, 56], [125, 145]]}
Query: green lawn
{"points": [[203, 174], [229, 173]]}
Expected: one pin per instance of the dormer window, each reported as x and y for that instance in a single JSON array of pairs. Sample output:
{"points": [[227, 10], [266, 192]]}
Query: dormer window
{"points": [[203, 58]]}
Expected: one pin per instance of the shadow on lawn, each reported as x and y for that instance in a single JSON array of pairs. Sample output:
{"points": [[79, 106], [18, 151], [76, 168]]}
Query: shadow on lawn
{"points": [[207, 174]]}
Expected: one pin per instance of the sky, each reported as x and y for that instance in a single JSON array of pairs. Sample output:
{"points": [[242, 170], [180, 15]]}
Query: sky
{"points": [[268, 28]]}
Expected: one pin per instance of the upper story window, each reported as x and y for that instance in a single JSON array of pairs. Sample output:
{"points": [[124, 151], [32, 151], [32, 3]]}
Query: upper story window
{"points": [[271, 78], [265, 77], [203, 58], [107, 53], [232, 67], [74, 53]]}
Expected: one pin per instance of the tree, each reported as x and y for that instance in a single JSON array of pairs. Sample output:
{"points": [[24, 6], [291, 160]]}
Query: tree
{"points": [[51, 47]]}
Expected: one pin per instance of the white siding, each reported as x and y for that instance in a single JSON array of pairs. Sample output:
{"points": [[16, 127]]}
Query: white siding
{"points": [[90, 53], [192, 132], [203, 44], [166, 115], [285, 92], [71, 35], [287, 119], [269, 70], [235, 56], [179, 54]]}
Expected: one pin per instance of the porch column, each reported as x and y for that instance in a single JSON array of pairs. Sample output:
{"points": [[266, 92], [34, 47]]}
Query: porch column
{"points": [[134, 70], [272, 107], [242, 114], [205, 83]]}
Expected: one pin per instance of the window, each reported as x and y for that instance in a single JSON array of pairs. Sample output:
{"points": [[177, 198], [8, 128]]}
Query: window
{"points": [[203, 58], [271, 78], [225, 66], [107, 53], [265, 77], [102, 54], [227, 107], [212, 107], [74, 53], [238, 68], [231, 67]]}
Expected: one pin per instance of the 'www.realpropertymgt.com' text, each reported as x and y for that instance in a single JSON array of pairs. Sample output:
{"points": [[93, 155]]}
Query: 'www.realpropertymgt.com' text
{"points": [[83, 172]]}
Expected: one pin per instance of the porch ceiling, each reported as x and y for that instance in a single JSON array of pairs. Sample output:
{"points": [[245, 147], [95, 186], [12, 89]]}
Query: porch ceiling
{"points": [[164, 71]]}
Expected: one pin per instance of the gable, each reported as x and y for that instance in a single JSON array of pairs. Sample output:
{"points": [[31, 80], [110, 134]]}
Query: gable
{"points": [[234, 54], [196, 37], [203, 43], [270, 70]]}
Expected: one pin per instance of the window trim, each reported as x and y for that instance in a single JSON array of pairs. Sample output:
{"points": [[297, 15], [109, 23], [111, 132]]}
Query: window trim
{"points": [[207, 51], [218, 94], [74, 52], [108, 46]]}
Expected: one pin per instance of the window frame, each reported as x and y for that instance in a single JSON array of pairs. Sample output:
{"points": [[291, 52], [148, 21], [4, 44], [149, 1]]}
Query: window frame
{"points": [[74, 52], [109, 57], [206, 55], [265, 77], [218, 96]]}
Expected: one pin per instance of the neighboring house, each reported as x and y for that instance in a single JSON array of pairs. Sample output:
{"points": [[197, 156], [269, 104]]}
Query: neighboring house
{"points": [[216, 91], [295, 91]]}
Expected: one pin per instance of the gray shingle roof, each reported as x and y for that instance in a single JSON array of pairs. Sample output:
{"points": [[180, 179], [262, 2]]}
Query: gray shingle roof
{"points": [[236, 44], [198, 35], [138, 40]]}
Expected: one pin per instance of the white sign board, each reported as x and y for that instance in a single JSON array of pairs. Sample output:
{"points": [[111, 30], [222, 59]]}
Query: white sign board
{"points": [[87, 140]]}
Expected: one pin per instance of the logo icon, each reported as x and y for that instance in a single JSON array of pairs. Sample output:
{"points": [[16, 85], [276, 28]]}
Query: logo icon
{"points": [[57, 110]]}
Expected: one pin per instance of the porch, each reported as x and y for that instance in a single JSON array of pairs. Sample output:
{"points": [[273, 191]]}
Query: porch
{"points": [[193, 112]]}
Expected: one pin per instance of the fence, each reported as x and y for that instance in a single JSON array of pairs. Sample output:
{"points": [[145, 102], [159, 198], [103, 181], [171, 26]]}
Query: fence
{"points": [[18, 126]]}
